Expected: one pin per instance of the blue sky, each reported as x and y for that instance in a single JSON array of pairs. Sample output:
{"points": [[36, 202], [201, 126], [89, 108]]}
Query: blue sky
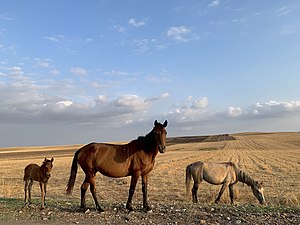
{"points": [[80, 71]]}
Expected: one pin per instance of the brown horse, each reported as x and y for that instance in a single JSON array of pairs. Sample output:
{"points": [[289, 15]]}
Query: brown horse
{"points": [[225, 173], [133, 159], [34, 172]]}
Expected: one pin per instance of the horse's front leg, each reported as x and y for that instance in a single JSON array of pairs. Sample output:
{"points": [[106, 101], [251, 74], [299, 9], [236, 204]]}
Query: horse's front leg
{"points": [[231, 193], [133, 182], [29, 190], [144, 189], [45, 191], [26, 191], [42, 186]]}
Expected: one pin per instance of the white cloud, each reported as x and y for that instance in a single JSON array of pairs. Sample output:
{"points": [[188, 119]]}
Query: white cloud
{"points": [[55, 72], [79, 71], [234, 111], [274, 108], [288, 30], [214, 3], [283, 11], [44, 63], [129, 100], [158, 79], [101, 99], [16, 70], [65, 103], [135, 23], [55, 38], [116, 73], [268, 109], [192, 109], [119, 28], [159, 97], [6, 17], [178, 33]]}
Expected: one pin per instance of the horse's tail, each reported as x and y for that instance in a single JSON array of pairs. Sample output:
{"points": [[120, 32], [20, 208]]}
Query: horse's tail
{"points": [[188, 179], [73, 173]]}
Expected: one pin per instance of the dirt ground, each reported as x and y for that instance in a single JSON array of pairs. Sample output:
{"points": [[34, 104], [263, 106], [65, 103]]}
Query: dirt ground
{"points": [[270, 157]]}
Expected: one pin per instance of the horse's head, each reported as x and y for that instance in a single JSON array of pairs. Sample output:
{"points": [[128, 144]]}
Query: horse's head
{"points": [[47, 167], [258, 191], [160, 135]]}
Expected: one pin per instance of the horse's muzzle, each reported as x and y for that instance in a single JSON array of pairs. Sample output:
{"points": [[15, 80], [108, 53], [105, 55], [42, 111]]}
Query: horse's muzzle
{"points": [[263, 202], [162, 148], [48, 175]]}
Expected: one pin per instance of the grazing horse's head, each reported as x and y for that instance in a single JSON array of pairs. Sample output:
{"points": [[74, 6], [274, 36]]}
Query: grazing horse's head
{"points": [[160, 135], [47, 167], [258, 191]]}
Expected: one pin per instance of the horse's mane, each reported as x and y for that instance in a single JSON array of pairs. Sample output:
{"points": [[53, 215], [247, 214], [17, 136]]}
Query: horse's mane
{"points": [[146, 142], [245, 178], [242, 176], [45, 161]]}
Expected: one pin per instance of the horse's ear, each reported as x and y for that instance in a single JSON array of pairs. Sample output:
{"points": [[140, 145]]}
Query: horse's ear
{"points": [[165, 123], [52, 159], [45, 160], [155, 122], [261, 183]]}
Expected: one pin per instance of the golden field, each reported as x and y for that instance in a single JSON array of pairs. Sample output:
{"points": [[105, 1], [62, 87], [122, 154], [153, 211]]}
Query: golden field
{"points": [[270, 157]]}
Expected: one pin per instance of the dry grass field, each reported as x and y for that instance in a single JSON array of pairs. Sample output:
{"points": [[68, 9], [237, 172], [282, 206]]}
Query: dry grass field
{"points": [[270, 157]]}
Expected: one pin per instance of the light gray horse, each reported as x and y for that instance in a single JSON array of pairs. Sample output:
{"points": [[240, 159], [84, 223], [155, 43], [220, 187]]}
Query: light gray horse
{"points": [[225, 174]]}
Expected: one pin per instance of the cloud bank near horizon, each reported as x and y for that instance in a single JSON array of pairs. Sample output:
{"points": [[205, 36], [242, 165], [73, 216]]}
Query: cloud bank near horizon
{"points": [[25, 101]]}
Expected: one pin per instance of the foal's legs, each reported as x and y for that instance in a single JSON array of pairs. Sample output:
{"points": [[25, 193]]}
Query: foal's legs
{"points": [[26, 191], [221, 192], [42, 186], [144, 189], [29, 191], [134, 179], [45, 190]]}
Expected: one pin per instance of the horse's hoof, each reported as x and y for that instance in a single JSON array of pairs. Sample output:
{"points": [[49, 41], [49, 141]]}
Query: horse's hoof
{"points": [[147, 208], [83, 209], [100, 210], [87, 211], [130, 209]]}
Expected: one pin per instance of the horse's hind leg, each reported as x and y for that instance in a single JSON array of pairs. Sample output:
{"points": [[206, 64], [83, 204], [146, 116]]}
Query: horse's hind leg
{"points": [[29, 191], [93, 191], [194, 192], [84, 187]]}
